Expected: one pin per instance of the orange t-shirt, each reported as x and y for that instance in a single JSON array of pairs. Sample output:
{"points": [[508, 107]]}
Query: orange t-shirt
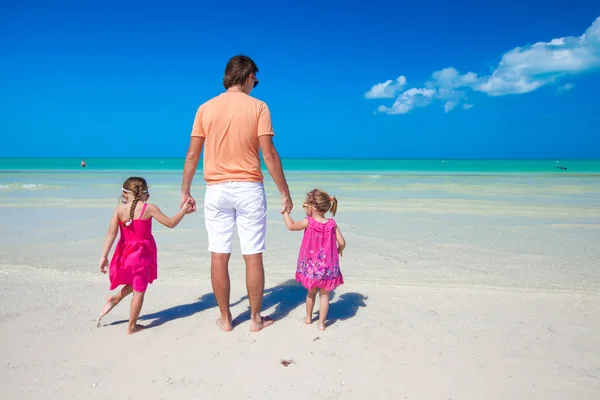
{"points": [[231, 124]]}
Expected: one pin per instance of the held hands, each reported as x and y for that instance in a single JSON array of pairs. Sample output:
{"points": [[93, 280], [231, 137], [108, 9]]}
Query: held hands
{"points": [[188, 201], [286, 203], [103, 264], [187, 206]]}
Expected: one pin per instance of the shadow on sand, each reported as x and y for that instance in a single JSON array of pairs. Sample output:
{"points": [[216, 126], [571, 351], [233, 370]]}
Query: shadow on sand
{"points": [[289, 295], [345, 307], [285, 297], [181, 311]]}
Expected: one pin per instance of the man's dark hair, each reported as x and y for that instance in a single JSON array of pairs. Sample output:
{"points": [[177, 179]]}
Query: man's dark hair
{"points": [[237, 71]]}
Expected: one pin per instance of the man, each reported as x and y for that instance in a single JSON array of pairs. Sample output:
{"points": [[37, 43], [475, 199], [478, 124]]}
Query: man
{"points": [[232, 127]]}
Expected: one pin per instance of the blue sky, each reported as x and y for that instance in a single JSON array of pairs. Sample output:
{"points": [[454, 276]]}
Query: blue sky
{"points": [[379, 79]]}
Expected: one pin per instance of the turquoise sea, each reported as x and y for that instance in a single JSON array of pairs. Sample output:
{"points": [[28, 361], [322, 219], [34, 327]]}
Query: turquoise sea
{"points": [[507, 223], [321, 165], [539, 182]]}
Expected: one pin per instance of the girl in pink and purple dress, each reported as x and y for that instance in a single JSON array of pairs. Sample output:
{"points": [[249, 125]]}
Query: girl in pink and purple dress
{"points": [[134, 262], [318, 268]]}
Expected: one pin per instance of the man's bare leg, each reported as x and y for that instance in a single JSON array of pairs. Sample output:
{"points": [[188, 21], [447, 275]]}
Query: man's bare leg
{"points": [[219, 275], [255, 283]]}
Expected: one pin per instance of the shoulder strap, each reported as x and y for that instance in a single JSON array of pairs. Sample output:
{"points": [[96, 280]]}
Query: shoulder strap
{"points": [[143, 210]]}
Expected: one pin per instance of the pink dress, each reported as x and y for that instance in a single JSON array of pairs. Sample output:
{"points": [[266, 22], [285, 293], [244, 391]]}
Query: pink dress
{"points": [[319, 261], [134, 261]]}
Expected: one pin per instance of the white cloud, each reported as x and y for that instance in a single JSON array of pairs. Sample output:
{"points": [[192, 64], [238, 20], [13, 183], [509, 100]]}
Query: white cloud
{"points": [[467, 106], [449, 105], [525, 69], [408, 100], [521, 70], [565, 88], [387, 89], [449, 78]]}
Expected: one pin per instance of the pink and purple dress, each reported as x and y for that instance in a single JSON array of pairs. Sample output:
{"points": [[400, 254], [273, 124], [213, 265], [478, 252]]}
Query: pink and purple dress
{"points": [[135, 259], [319, 261]]}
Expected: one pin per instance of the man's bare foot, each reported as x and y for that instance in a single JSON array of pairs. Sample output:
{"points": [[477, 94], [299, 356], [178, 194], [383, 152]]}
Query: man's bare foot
{"points": [[111, 302], [225, 324], [308, 320], [135, 329], [321, 326], [258, 326]]}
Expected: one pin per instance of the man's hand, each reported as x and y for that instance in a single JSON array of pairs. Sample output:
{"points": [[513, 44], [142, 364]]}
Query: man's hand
{"points": [[191, 202], [189, 170], [286, 203], [187, 206]]}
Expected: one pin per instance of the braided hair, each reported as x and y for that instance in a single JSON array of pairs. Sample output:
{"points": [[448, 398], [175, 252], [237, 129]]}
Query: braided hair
{"points": [[136, 186]]}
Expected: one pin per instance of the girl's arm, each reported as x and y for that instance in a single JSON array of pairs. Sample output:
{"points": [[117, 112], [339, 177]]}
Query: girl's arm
{"points": [[111, 235], [154, 212], [294, 226], [340, 240]]}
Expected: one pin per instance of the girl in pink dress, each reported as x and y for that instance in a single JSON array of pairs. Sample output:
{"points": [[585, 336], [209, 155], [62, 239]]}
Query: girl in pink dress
{"points": [[134, 262], [318, 266]]}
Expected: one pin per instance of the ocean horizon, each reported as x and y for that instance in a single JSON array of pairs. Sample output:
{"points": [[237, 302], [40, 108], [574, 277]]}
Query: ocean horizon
{"points": [[317, 165]]}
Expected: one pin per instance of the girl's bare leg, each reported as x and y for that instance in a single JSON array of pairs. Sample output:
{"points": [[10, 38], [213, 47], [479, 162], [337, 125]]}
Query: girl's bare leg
{"points": [[323, 308], [112, 301], [134, 313], [310, 304]]}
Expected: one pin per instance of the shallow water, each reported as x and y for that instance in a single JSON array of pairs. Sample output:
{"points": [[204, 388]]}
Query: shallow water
{"points": [[525, 231]]}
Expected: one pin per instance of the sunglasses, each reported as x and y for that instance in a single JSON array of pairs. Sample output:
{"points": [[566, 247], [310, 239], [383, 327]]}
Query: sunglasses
{"points": [[255, 82]]}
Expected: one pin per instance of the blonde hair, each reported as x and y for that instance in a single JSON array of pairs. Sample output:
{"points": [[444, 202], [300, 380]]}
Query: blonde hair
{"points": [[322, 201], [137, 186]]}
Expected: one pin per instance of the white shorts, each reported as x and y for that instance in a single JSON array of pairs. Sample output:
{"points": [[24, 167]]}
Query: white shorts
{"points": [[230, 203]]}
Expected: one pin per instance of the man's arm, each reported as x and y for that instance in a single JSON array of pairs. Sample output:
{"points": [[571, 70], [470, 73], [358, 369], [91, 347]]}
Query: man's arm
{"points": [[273, 163], [189, 170], [275, 168], [271, 157], [191, 160]]}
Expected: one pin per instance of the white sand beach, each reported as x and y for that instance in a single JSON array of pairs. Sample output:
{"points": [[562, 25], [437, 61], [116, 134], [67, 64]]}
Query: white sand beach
{"points": [[457, 287]]}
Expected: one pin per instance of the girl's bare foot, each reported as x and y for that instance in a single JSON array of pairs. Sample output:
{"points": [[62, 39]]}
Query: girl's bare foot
{"points": [[135, 329], [308, 320], [321, 326]]}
